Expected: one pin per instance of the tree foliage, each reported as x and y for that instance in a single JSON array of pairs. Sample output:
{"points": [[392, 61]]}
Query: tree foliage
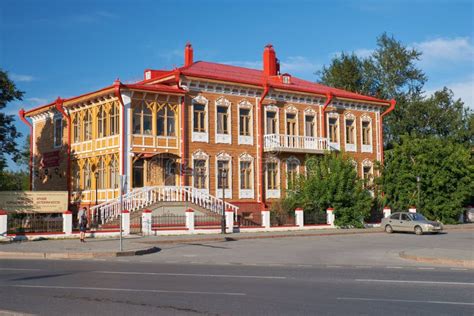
{"points": [[332, 181], [8, 132], [445, 170]]}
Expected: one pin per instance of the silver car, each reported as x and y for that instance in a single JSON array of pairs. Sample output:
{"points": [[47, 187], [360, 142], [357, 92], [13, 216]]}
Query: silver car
{"points": [[410, 222]]}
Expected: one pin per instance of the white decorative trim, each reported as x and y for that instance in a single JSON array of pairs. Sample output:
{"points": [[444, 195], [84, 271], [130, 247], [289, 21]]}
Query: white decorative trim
{"points": [[200, 136], [273, 193], [201, 155], [310, 112], [224, 138], [292, 159], [292, 110], [246, 193], [350, 147], [366, 148], [222, 156], [334, 145], [271, 108], [245, 140]]}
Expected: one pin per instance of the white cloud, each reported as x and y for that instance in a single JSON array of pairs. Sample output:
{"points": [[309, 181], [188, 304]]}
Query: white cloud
{"points": [[37, 101], [461, 89], [21, 78], [455, 50]]}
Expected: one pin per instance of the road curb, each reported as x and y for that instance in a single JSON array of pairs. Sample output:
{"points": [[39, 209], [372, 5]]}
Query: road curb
{"points": [[75, 255], [440, 261]]}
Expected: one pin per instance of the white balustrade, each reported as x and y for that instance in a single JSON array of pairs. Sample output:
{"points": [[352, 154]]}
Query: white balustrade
{"points": [[281, 141], [139, 198]]}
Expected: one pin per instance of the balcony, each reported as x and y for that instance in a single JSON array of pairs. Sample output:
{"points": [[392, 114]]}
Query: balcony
{"points": [[290, 143]]}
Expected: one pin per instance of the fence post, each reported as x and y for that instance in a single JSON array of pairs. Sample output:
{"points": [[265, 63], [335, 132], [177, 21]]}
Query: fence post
{"points": [[190, 219], [412, 209], [299, 216], [3, 223], [126, 222], [387, 212], [266, 219], [330, 216], [229, 221], [67, 223], [146, 222]]}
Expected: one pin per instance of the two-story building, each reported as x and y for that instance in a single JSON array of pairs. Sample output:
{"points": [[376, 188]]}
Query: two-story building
{"points": [[228, 132]]}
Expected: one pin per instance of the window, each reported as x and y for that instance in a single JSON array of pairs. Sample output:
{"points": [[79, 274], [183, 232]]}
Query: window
{"points": [[272, 175], [199, 118], [138, 180], [367, 173], [309, 125], [87, 175], [114, 120], [76, 129], [395, 216], [200, 173], [165, 124], [114, 176], [333, 128], [222, 120], [291, 173], [87, 126], [101, 122], [142, 120], [223, 174], [366, 137], [245, 120], [58, 132], [272, 123], [405, 217], [76, 177], [101, 175], [350, 131], [291, 124], [245, 175]]}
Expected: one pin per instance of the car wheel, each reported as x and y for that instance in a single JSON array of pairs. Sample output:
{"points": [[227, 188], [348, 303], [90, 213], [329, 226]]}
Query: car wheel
{"points": [[388, 229], [418, 230]]}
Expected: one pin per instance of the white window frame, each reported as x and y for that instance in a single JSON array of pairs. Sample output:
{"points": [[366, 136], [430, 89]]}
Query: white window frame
{"points": [[291, 159], [227, 192], [202, 137], [350, 147], [292, 110], [272, 108], [246, 193], [201, 155], [366, 148], [223, 138], [311, 112], [336, 145], [55, 120], [273, 193], [367, 163], [245, 140]]}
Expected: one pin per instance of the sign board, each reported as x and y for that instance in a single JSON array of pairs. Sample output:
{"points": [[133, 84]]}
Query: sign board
{"points": [[50, 159], [34, 201]]}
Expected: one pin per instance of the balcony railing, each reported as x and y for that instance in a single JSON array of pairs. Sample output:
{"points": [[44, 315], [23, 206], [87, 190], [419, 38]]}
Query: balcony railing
{"points": [[280, 142]]}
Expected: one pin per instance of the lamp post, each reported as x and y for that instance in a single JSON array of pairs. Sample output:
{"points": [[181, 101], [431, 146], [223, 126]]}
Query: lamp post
{"points": [[223, 185], [96, 175]]}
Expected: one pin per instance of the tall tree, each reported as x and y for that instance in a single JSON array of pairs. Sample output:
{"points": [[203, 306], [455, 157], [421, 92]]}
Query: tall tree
{"points": [[8, 132], [434, 174]]}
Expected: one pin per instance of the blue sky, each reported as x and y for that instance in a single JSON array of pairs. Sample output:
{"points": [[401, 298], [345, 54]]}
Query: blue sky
{"points": [[65, 48]]}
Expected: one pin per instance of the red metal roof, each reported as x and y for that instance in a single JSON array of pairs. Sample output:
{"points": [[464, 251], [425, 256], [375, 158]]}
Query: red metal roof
{"points": [[154, 87], [243, 75]]}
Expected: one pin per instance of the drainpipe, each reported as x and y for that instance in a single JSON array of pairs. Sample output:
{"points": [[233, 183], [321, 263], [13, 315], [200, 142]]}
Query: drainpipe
{"points": [[266, 88], [390, 109], [21, 114], [118, 94], [59, 107], [329, 97]]}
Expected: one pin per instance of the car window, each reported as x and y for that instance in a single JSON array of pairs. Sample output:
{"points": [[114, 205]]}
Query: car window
{"points": [[405, 217], [395, 216], [416, 217]]}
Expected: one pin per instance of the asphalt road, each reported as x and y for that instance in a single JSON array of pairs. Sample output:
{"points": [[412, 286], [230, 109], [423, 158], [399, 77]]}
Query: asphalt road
{"points": [[324, 275]]}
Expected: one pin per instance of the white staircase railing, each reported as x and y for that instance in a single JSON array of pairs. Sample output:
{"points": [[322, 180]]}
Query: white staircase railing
{"points": [[139, 198]]}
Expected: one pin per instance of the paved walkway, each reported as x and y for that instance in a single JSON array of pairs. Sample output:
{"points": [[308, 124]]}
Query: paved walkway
{"points": [[109, 247]]}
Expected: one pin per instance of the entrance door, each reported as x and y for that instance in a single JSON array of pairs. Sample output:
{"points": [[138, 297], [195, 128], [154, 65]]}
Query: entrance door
{"points": [[169, 168]]}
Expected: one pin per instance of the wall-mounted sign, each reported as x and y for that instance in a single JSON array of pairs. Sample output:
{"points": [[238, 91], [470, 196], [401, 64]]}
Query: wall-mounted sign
{"points": [[34, 201], [50, 159]]}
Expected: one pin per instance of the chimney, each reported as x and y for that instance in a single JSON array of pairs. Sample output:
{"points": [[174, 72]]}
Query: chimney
{"points": [[269, 61], [188, 55]]}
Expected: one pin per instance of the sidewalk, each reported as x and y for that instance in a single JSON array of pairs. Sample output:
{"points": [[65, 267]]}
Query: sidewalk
{"points": [[136, 245]]}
